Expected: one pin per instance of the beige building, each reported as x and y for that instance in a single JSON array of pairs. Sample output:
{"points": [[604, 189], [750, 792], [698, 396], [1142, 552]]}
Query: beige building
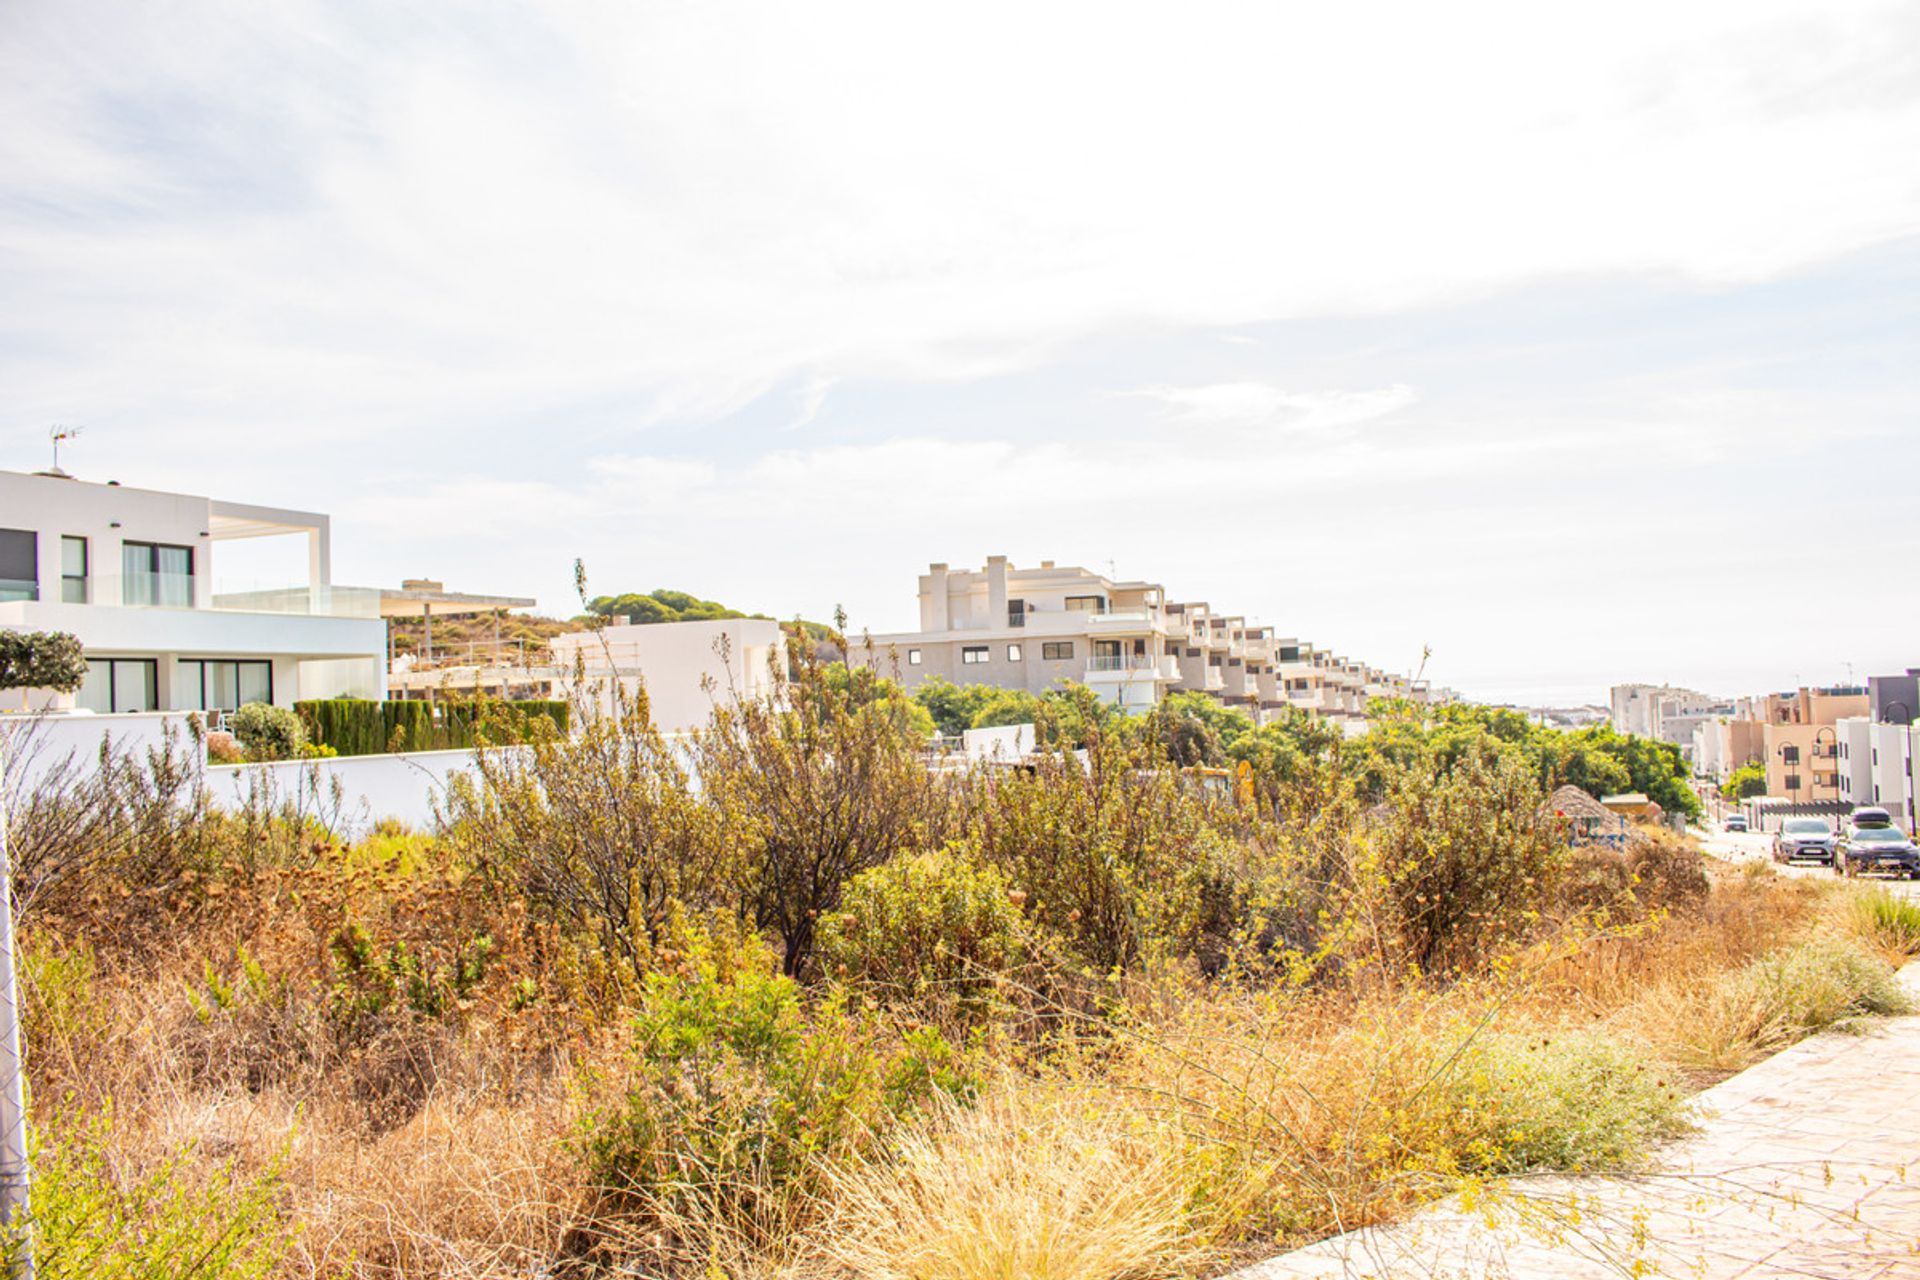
{"points": [[1802, 741], [1037, 629]]}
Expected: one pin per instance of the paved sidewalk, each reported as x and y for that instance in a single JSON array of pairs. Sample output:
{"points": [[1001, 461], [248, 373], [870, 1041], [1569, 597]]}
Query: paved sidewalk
{"points": [[1807, 1165]]}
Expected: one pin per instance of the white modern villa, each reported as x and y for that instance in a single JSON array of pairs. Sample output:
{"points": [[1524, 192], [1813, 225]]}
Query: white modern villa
{"points": [[130, 573], [1038, 628]]}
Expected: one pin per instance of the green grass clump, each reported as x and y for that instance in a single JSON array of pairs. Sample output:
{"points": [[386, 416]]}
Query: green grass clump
{"points": [[1785, 996], [1572, 1101], [1886, 920]]}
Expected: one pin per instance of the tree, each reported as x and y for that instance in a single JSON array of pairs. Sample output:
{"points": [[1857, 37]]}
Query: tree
{"points": [[952, 706], [28, 660], [1195, 730], [1005, 706], [1281, 751], [1749, 779], [41, 660]]}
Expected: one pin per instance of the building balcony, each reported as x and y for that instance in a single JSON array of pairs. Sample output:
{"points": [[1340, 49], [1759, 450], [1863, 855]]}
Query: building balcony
{"points": [[1131, 666]]}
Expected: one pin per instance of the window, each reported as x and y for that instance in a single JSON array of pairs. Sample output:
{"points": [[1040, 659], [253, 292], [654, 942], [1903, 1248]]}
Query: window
{"points": [[154, 573], [222, 684], [1013, 653], [1057, 650], [1016, 613], [913, 657], [1193, 653], [19, 564], [1087, 604], [73, 570], [972, 654], [120, 684], [1213, 659], [1793, 782], [1790, 754]]}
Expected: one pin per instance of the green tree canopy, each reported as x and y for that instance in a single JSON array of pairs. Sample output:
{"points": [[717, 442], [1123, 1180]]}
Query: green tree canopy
{"points": [[41, 660]]}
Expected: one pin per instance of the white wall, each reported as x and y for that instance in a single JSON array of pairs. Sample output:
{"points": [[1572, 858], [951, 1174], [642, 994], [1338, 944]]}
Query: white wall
{"points": [[35, 744], [676, 659], [372, 787], [402, 787]]}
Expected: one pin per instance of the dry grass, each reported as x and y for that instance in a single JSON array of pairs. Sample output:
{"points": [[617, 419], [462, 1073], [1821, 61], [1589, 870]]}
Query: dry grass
{"points": [[1195, 1124], [1033, 1183]]}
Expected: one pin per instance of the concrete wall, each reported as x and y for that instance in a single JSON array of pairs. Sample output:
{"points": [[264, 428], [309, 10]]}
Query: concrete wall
{"points": [[371, 787], [402, 787], [676, 660]]}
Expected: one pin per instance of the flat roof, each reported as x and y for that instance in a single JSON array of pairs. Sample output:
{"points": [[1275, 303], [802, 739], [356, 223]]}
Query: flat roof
{"points": [[412, 602]]}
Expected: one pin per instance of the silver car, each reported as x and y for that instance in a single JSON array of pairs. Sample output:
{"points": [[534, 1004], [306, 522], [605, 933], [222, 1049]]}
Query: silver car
{"points": [[1804, 838]]}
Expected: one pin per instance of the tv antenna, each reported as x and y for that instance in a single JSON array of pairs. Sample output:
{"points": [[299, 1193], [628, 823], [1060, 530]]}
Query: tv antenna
{"points": [[58, 433]]}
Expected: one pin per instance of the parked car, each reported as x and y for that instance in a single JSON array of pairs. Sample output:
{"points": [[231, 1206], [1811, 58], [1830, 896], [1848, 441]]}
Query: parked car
{"points": [[1738, 822], [1804, 838], [1876, 848], [1869, 815]]}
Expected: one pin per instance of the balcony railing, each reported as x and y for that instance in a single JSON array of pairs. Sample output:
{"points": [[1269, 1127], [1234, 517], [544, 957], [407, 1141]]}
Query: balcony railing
{"points": [[1105, 663]]}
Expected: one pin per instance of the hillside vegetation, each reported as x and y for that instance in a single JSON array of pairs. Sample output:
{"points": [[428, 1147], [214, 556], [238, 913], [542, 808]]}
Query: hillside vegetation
{"points": [[831, 1014]]}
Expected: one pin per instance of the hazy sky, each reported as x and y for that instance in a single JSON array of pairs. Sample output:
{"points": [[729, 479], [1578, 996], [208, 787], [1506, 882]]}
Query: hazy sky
{"points": [[1581, 346]]}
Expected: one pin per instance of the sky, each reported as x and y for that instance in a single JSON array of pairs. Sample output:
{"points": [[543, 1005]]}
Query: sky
{"points": [[1577, 345]]}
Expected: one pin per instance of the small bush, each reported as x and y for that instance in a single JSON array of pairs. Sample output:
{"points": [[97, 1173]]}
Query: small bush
{"points": [[1784, 997], [1886, 920], [1656, 871], [1572, 1101], [740, 1099], [268, 732], [223, 749], [938, 928], [95, 1220]]}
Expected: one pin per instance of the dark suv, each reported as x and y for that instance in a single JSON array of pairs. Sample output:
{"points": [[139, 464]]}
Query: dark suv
{"points": [[1873, 843]]}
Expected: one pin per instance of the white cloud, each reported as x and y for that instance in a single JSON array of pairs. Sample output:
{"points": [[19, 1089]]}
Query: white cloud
{"points": [[364, 213], [1251, 405]]}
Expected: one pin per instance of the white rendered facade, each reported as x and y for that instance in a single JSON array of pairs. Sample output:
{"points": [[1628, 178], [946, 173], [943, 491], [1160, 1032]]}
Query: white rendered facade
{"points": [[687, 667], [130, 573], [1036, 629]]}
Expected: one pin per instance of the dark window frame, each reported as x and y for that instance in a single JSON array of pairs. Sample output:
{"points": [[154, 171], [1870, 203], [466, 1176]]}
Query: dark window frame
{"points": [[69, 594], [1056, 650], [153, 550], [974, 655], [203, 663], [113, 682], [32, 582]]}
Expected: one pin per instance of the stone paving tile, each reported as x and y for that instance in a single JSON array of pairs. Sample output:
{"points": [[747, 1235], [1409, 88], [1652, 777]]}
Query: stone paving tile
{"points": [[1806, 1166]]}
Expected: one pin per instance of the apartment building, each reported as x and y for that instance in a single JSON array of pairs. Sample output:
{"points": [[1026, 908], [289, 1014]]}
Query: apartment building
{"points": [[1801, 740], [1127, 640], [1877, 765], [130, 573]]}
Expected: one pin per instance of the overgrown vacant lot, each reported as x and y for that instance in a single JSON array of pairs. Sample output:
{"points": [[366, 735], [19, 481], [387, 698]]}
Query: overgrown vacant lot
{"points": [[829, 1014]]}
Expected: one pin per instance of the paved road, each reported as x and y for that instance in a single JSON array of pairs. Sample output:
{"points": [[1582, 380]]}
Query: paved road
{"points": [[1802, 1167], [1741, 847]]}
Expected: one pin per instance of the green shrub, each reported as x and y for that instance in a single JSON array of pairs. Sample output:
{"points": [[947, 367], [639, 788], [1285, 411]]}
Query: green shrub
{"points": [[356, 727], [185, 1219], [1461, 858], [268, 732], [1886, 920], [1573, 1101], [1783, 997], [938, 928], [1112, 857], [741, 1099]]}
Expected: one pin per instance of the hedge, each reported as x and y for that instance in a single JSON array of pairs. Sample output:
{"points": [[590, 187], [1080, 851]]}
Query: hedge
{"points": [[357, 727]]}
